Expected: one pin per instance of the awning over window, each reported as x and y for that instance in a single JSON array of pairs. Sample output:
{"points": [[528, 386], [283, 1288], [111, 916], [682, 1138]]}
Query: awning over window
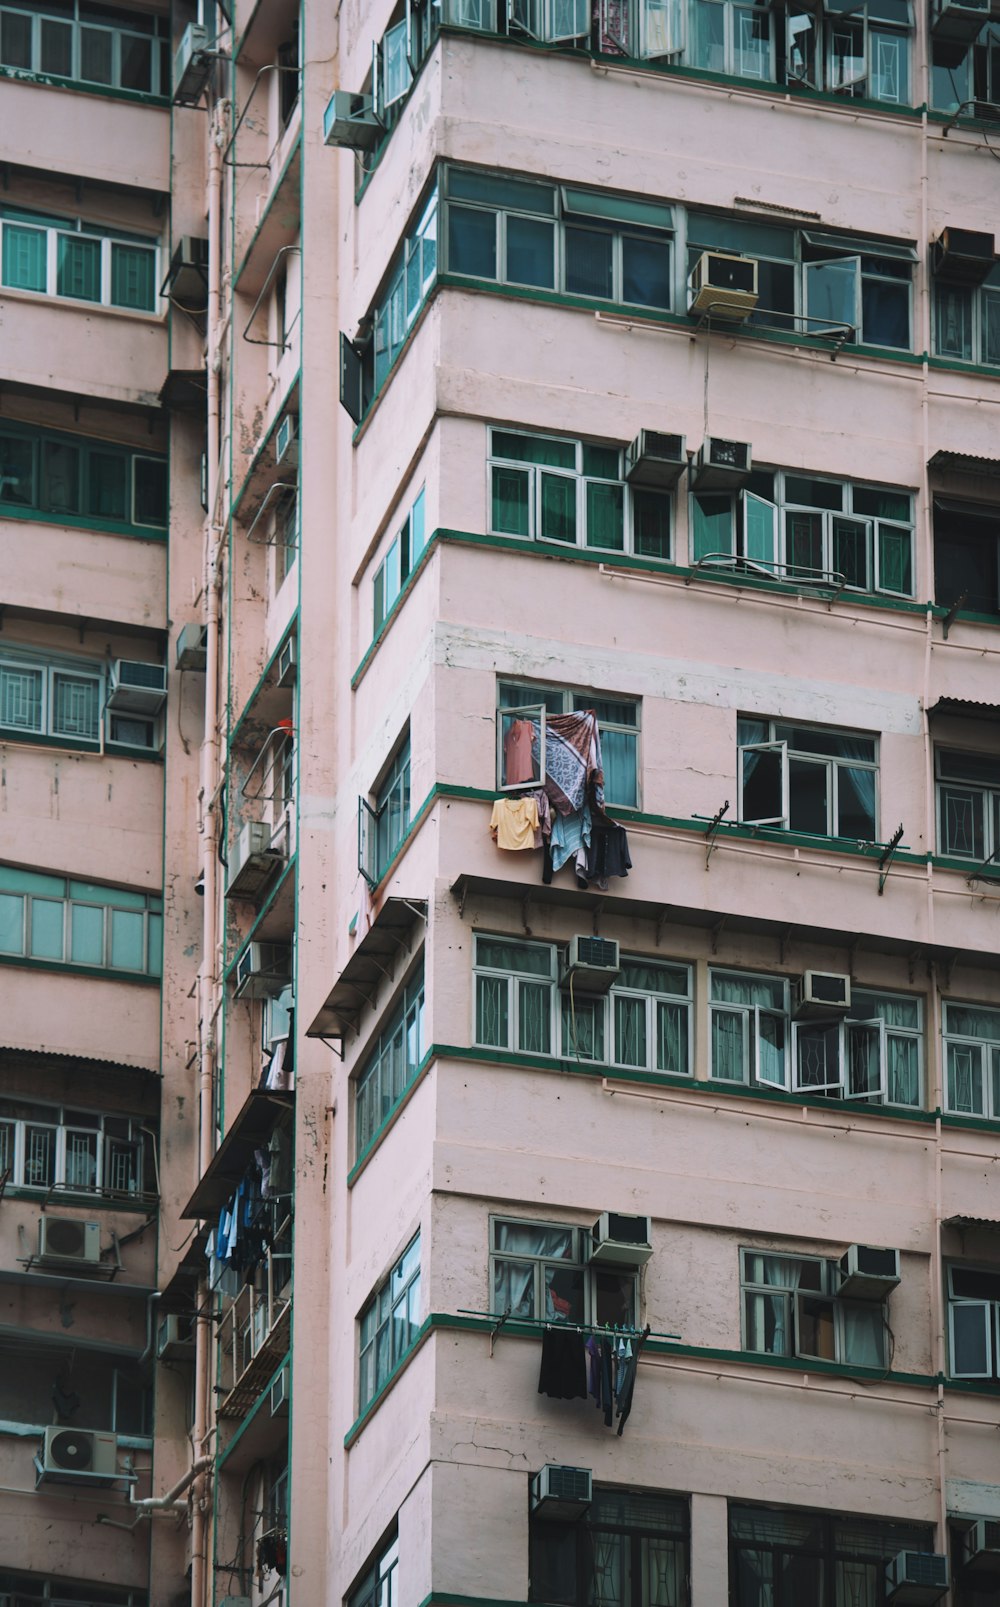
{"points": [[859, 245], [965, 709], [965, 463], [251, 1130], [366, 970]]}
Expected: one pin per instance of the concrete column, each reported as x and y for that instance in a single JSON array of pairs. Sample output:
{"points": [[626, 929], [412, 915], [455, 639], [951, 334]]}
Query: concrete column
{"points": [[709, 1551]]}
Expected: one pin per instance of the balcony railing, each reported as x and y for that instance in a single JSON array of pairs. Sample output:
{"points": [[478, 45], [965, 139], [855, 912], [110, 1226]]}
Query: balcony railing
{"points": [[254, 1330]]}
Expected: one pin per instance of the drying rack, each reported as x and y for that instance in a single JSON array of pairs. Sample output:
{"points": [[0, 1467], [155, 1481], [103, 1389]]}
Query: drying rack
{"points": [[594, 1329]]}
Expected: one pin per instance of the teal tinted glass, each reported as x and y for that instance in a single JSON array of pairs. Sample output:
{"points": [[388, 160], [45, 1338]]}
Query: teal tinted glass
{"points": [[496, 190], [545, 449], [47, 917], [107, 491], [11, 924], [881, 502], [606, 516], [13, 880], [97, 893], [24, 257], [86, 935], [132, 277], [78, 267], [602, 462], [126, 940]]}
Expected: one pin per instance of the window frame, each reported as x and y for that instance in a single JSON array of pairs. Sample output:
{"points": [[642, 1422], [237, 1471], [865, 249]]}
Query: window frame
{"points": [[976, 304], [988, 1053], [574, 700], [15, 1148], [399, 560], [794, 1298], [990, 1310], [987, 801], [402, 1035], [832, 763], [637, 1550], [829, 1548], [74, 896], [76, 231], [377, 845], [371, 1382], [38, 506], [158, 39], [578, 1262], [378, 1585]]}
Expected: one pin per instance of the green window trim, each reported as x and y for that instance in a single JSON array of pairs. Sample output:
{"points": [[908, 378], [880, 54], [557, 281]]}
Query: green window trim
{"points": [[84, 52], [389, 1326], [64, 479], [55, 921], [392, 1066], [74, 261]]}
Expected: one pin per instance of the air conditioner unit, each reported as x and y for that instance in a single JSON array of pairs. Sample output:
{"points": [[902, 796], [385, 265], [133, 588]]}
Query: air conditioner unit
{"points": [[263, 969], [561, 1492], [822, 993], [721, 465], [191, 648], [624, 1241], [280, 1394], [916, 1578], [981, 1549], [192, 66], [287, 659], [723, 285], [655, 460], [67, 1239], [591, 965], [137, 688], [351, 120], [963, 256], [175, 1339], [958, 23], [77, 1456], [252, 860], [868, 1273], [286, 446]]}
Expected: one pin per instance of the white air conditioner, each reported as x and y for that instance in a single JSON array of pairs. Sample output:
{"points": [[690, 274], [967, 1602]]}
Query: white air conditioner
{"points": [[192, 66], [655, 460], [175, 1338], [958, 22], [981, 1548], [263, 969], [591, 965], [280, 1394], [286, 446], [137, 688], [67, 1239], [561, 1492], [868, 1273], [252, 860], [822, 993], [916, 1579], [624, 1241], [351, 120], [721, 465], [287, 660], [77, 1456], [723, 285], [191, 648]]}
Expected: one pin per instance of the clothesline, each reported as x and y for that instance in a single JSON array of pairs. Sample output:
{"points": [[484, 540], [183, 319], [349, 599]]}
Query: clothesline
{"points": [[596, 1328]]}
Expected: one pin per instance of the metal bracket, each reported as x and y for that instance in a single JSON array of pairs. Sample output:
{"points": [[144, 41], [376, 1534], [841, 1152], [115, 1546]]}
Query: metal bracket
{"points": [[782, 941], [977, 874], [885, 863], [949, 618], [598, 912], [853, 953], [661, 924], [717, 931], [498, 1328], [712, 832], [333, 1047], [524, 914]]}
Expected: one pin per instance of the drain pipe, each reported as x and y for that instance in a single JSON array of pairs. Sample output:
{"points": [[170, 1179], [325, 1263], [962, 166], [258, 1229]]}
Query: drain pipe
{"points": [[149, 1504]]}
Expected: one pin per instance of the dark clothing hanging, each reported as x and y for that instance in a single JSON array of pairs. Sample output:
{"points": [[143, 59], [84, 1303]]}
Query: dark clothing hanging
{"points": [[608, 853], [563, 1372], [607, 1380], [626, 1387]]}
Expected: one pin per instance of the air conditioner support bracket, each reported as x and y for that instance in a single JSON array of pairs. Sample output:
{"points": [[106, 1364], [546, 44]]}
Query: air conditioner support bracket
{"points": [[712, 832], [949, 618], [885, 863]]}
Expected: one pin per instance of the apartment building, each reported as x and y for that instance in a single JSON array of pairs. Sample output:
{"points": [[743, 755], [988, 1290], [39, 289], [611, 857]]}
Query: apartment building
{"points": [[501, 776]]}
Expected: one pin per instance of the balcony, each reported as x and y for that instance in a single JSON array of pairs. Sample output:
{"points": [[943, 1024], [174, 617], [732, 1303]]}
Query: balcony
{"points": [[255, 1329]]}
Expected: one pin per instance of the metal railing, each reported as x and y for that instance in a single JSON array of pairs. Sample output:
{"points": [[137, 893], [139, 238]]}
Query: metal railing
{"points": [[252, 1335]]}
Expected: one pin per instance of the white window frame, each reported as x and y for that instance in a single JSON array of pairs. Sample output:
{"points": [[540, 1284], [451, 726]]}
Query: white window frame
{"points": [[385, 1323], [990, 1312], [830, 762], [53, 233], [731, 48], [751, 1017], [987, 800], [156, 42], [544, 20], [793, 1299], [62, 1125], [976, 300], [580, 1262], [983, 1049], [541, 712]]}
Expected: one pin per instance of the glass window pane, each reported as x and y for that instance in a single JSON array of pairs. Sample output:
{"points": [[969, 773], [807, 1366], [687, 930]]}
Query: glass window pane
{"points": [[24, 257], [154, 941], [713, 527], [564, 1294], [78, 267], [645, 271], [133, 272], [501, 191], [87, 935], [606, 516], [885, 313], [472, 242], [137, 63], [583, 1027], [126, 940], [832, 295], [60, 477], [630, 1032], [895, 561], [970, 1327], [672, 1038], [96, 55], [492, 1007], [530, 252], [535, 1017], [651, 524], [76, 706], [21, 690], [151, 495], [15, 39], [558, 514], [511, 501], [47, 928], [619, 750], [107, 491], [57, 47], [856, 803], [11, 924], [808, 797], [550, 450], [589, 262]]}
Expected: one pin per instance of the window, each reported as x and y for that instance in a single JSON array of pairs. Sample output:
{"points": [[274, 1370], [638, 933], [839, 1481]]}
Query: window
{"points": [[393, 1064], [630, 1549], [790, 1308], [389, 1324], [288, 77], [69, 480], [811, 779], [644, 1022], [617, 721], [967, 318], [972, 1060], [92, 44], [841, 286], [540, 1271], [792, 1558], [64, 700], [968, 800], [27, 1589], [65, 257], [547, 488], [974, 1322], [383, 824], [872, 1054], [401, 558], [79, 923], [966, 78], [804, 527], [379, 1586], [967, 555], [52, 1146]]}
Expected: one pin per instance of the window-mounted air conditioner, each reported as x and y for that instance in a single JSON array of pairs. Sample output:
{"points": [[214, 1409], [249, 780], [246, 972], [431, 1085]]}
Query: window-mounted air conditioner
{"points": [[723, 285], [137, 688], [263, 969], [624, 1241], [721, 465], [916, 1579], [77, 1456], [252, 860], [981, 1548], [175, 1338], [64, 1240], [822, 993], [351, 120], [963, 256], [286, 445], [868, 1273], [561, 1492], [287, 660], [655, 459], [191, 648], [280, 1394], [192, 66], [958, 23], [591, 965]]}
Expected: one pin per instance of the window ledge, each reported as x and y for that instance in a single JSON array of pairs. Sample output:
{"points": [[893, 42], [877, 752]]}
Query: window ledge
{"points": [[82, 521], [81, 749], [73, 304], [420, 1338], [82, 1199], [136, 97], [97, 973]]}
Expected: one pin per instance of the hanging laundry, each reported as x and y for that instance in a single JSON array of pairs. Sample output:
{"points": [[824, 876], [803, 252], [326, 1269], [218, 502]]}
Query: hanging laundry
{"points": [[514, 822], [607, 854], [520, 744], [626, 1387], [563, 1371], [544, 832], [593, 1348], [570, 837], [573, 764]]}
